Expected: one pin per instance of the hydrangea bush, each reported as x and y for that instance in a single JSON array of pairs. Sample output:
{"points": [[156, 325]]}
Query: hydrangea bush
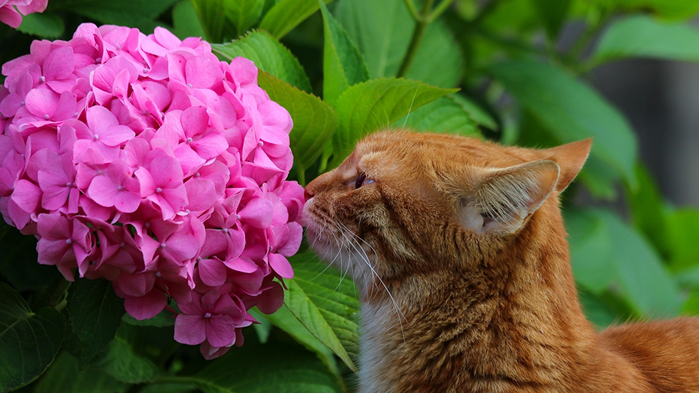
{"points": [[147, 161]]}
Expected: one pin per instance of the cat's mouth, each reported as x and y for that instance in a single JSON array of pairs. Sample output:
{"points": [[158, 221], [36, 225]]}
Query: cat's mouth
{"points": [[320, 229]]}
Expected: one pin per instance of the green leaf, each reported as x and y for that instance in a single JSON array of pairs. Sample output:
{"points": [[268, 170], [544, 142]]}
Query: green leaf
{"points": [[648, 210], [343, 66], [133, 13], [268, 55], [673, 9], [437, 43], [121, 362], [264, 327], [286, 321], [279, 368], [552, 14], [571, 111], [95, 313], [314, 120], [163, 319], [597, 311], [28, 341], [212, 19], [243, 13], [46, 25], [287, 14], [370, 106], [590, 250], [682, 233], [382, 31], [478, 114], [185, 21], [642, 36], [325, 302], [65, 377], [641, 276], [444, 115]]}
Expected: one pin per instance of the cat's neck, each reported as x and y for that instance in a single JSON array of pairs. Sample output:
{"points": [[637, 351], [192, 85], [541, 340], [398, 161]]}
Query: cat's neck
{"points": [[518, 326]]}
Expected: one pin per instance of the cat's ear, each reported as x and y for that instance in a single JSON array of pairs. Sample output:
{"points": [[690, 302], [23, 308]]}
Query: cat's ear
{"points": [[502, 199], [570, 158]]}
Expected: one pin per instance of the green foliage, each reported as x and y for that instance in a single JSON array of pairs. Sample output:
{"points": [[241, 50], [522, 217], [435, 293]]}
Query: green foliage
{"points": [[95, 314], [570, 110], [43, 25], [515, 88], [287, 14], [374, 105], [66, 377], [343, 66], [279, 368], [641, 36], [28, 341], [268, 55], [326, 305]]}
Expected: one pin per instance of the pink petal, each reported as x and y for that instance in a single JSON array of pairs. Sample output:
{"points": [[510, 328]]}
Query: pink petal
{"points": [[59, 64], [281, 265], [26, 195], [190, 329], [42, 103], [116, 135], [259, 213], [33, 6], [51, 252], [146, 307], [200, 72], [103, 191], [272, 299], [240, 265], [212, 272], [10, 17], [220, 330]]}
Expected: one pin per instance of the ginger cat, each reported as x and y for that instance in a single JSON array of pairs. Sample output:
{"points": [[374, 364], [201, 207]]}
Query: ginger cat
{"points": [[460, 254]]}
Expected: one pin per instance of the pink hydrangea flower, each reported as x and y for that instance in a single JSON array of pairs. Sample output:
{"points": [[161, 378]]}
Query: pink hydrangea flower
{"points": [[9, 14], [146, 161]]}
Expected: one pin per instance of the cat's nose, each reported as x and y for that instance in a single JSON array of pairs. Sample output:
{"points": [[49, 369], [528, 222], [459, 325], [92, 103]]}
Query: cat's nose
{"points": [[308, 194]]}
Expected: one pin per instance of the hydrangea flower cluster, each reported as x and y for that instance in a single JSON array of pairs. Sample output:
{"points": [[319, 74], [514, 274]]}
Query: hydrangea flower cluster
{"points": [[10, 16], [147, 161]]}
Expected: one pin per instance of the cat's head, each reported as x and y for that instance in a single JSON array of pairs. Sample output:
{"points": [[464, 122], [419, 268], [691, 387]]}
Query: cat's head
{"points": [[406, 203]]}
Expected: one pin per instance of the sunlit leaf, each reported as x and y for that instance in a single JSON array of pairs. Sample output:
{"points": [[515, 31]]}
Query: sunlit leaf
{"points": [[326, 304], [185, 21], [314, 120], [642, 36], [382, 31], [287, 14], [378, 103], [343, 65], [268, 55], [444, 115]]}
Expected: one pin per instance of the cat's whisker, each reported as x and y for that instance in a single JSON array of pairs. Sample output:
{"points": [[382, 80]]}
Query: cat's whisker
{"points": [[365, 259], [410, 109]]}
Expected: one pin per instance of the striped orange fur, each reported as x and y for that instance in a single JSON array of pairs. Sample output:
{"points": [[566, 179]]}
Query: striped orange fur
{"points": [[460, 254]]}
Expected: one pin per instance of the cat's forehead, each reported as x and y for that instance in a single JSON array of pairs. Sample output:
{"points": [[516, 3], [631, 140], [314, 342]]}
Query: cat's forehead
{"points": [[402, 147]]}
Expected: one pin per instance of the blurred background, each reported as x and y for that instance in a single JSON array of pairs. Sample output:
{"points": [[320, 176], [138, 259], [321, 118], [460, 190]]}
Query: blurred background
{"points": [[661, 100]]}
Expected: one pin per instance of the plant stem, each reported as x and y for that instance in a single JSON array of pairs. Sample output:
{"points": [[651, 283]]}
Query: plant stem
{"points": [[439, 9], [421, 24], [412, 9]]}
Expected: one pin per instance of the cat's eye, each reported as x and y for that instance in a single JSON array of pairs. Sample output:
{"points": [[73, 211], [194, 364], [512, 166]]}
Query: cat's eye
{"points": [[362, 180]]}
